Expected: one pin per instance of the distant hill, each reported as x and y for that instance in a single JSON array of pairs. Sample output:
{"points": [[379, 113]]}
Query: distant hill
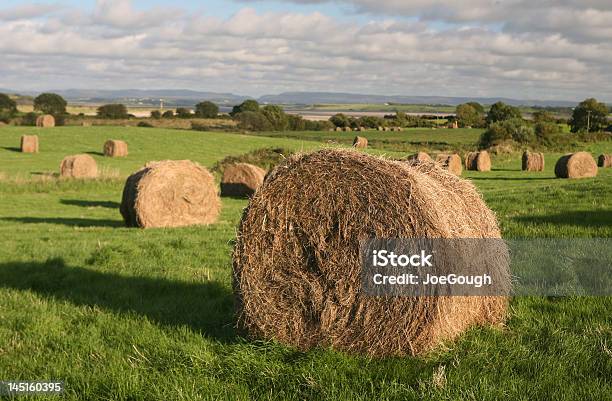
{"points": [[308, 98], [185, 97]]}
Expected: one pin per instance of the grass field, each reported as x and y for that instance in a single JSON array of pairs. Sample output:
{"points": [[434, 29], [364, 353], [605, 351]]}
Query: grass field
{"points": [[128, 314]]}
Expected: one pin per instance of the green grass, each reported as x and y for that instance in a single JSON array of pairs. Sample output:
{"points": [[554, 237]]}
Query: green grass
{"points": [[134, 314], [408, 140]]}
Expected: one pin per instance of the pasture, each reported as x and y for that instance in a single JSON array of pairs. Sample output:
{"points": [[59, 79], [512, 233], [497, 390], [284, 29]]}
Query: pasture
{"points": [[122, 313]]}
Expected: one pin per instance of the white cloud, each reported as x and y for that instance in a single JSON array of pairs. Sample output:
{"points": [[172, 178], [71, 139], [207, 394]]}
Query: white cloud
{"points": [[118, 46]]}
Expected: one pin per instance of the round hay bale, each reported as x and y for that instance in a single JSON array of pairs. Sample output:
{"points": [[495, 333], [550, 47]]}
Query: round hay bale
{"points": [[170, 193], [604, 160], [79, 166], [478, 161], [86, 124], [380, 129], [576, 165], [241, 179], [360, 142], [452, 163], [532, 161], [338, 129], [115, 148], [45, 121], [420, 157], [29, 143], [347, 129], [297, 264]]}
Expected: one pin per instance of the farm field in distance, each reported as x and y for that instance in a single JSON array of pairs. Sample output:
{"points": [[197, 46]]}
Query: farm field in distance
{"points": [[122, 313]]}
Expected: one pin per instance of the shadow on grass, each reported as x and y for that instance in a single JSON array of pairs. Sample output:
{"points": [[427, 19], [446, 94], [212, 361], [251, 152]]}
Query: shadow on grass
{"points": [[66, 221], [12, 149], [88, 203], [95, 153], [590, 218], [205, 307]]}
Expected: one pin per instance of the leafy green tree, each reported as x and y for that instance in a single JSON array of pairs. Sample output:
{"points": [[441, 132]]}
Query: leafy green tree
{"points": [[168, 114], [183, 112], [501, 111], [340, 120], [543, 116], [155, 114], [247, 105], [50, 103], [478, 107], [206, 109], [8, 108], [515, 129], [113, 111], [253, 121], [296, 122], [590, 115], [467, 115], [276, 116]]}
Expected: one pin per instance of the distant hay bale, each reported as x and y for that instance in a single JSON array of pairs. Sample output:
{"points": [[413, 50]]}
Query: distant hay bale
{"points": [[576, 165], [399, 129], [241, 179], [115, 148], [86, 124], [347, 129], [380, 129], [420, 157], [360, 142], [387, 129], [452, 163], [45, 121], [478, 161], [170, 193], [361, 129], [339, 129], [79, 166], [29, 143], [604, 160], [532, 161], [297, 266]]}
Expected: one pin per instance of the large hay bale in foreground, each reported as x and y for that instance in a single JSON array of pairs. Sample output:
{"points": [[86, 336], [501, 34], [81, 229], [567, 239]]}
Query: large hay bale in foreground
{"points": [[576, 165], [604, 160], [532, 161], [79, 166], [46, 121], [297, 258], [451, 163], [29, 143], [115, 148], [170, 193], [420, 157], [360, 142], [478, 161], [241, 179]]}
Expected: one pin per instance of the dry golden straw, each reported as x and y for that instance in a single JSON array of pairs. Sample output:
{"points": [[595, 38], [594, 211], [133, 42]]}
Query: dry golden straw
{"points": [[170, 193], [532, 161], [297, 264], [241, 179], [360, 142], [46, 121], [115, 148], [604, 160], [29, 143], [478, 161], [576, 165], [451, 163], [79, 166]]}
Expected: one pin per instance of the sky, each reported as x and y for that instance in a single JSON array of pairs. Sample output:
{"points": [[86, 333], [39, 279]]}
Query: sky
{"points": [[524, 49]]}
